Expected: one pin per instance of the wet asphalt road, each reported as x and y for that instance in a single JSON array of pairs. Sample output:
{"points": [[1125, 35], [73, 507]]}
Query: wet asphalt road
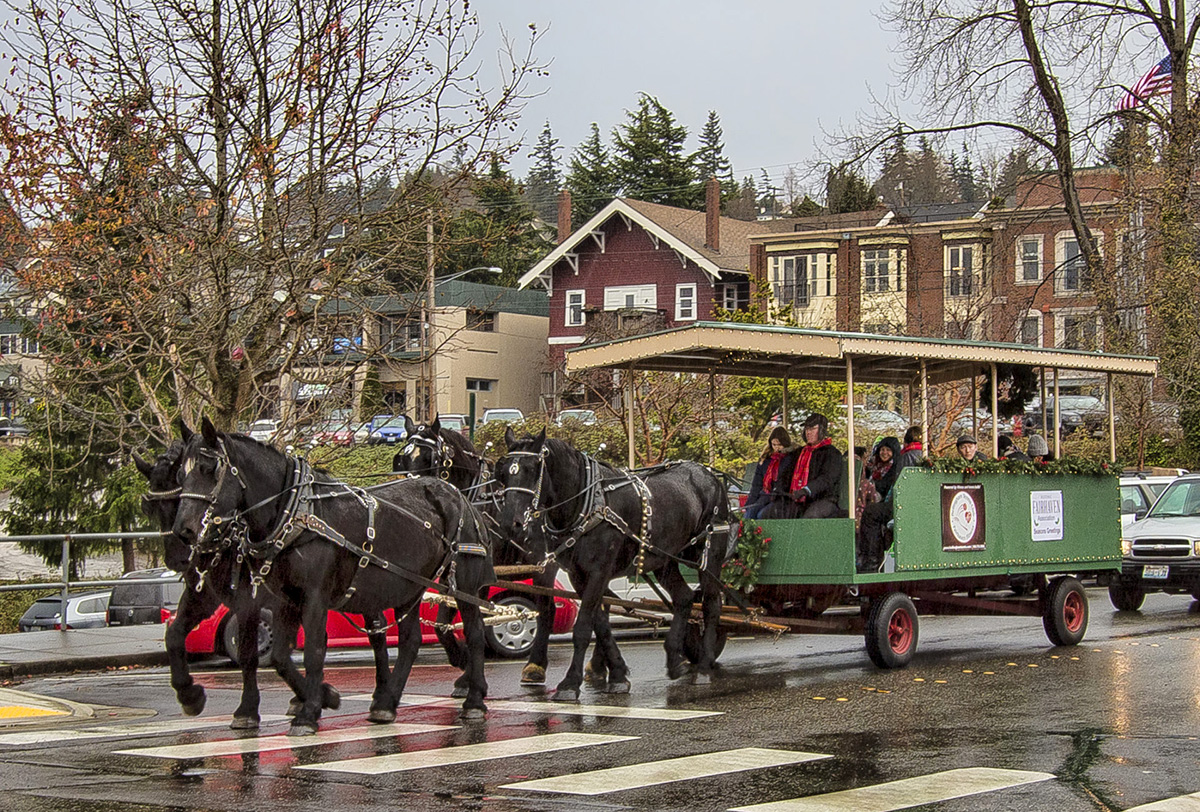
{"points": [[1114, 723]]}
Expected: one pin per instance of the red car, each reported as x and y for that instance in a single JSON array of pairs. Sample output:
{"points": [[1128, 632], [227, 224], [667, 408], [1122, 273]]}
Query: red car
{"points": [[333, 433], [218, 633]]}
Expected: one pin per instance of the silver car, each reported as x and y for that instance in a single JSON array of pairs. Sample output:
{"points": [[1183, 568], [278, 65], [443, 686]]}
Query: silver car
{"points": [[85, 610]]}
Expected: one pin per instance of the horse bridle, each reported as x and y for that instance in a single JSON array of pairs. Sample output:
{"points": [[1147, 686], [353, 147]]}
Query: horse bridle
{"points": [[211, 520], [442, 462], [532, 511]]}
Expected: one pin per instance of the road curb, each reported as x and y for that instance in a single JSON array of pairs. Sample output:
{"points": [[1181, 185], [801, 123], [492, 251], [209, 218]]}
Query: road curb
{"points": [[10, 670]]}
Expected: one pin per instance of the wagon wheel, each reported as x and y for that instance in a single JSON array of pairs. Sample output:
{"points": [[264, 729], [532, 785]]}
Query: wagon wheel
{"points": [[892, 630], [229, 637], [1126, 597], [1065, 611]]}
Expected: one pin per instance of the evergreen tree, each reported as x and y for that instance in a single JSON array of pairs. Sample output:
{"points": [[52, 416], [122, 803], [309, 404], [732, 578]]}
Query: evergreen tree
{"points": [[931, 181], [744, 204], [1016, 164], [710, 161], [963, 173], [847, 191], [545, 178], [1128, 146], [769, 203], [591, 178], [499, 231], [806, 207], [651, 164], [895, 184]]}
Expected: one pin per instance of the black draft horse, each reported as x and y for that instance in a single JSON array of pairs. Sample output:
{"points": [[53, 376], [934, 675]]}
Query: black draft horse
{"points": [[431, 450], [319, 544], [599, 522], [211, 578]]}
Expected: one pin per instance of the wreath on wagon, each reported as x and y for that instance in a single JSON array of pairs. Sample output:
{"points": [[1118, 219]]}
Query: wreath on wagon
{"points": [[741, 571]]}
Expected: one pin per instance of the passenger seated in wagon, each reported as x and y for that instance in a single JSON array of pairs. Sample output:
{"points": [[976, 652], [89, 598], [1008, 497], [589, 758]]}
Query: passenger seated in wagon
{"points": [[770, 469], [815, 486]]}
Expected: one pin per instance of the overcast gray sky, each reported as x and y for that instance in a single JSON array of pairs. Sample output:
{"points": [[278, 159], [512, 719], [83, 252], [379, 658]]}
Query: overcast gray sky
{"points": [[779, 73]]}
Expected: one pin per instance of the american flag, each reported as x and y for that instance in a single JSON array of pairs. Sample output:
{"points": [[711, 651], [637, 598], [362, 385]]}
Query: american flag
{"points": [[1157, 81]]}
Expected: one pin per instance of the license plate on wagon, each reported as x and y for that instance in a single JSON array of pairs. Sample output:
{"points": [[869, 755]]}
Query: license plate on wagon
{"points": [[1158, 571]]}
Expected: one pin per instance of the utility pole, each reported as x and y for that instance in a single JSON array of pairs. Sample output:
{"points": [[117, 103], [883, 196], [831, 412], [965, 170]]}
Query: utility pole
{"points": [[429, 370]]}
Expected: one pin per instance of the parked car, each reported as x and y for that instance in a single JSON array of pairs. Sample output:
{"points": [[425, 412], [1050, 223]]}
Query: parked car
{"points": [[218, 633], [135, 604], [85, 610], [12, 428], [1074, 412], [1139, 490], [263, 430], [585, 416], [881, 422], [333, 433], [454, 422], [1161, 553], [502, 416], [389, 432]]}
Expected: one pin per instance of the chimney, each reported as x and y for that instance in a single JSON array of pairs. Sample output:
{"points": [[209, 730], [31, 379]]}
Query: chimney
{"points": [[712, 214], [758, 276], [564, 216]]}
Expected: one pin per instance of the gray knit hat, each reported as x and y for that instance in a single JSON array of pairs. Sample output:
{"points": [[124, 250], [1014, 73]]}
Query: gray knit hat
{"points": [[1037, 446]]}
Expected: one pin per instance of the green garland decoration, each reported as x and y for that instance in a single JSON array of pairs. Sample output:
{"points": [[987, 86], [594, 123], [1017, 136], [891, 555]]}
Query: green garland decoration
{"points": [[741, 572], [957, 465]]}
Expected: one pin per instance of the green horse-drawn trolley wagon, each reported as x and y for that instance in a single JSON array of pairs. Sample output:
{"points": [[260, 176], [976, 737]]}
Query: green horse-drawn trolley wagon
{"points": [[961, 540]]}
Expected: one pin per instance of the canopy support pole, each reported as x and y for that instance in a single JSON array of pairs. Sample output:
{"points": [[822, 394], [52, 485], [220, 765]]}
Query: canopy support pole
{"points": [[975, 406], [1057, 420], [783, 416], [712, 418], [995, 414], [850, 428], [1045, 416], [1112, 421], [629, 413], [925, 410]]}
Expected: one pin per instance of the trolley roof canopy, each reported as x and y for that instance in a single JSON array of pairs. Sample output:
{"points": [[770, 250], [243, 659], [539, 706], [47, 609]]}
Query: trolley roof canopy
{"points": [[770, 351]]}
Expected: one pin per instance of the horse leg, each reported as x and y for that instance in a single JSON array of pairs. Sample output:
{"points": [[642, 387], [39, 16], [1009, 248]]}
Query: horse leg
{"points": [[246, 616], [315, 641], [681, 610], [473, 706], [285, 622], [383, 708], [610, 656], [193, 607], [408, 632], [534, 672], [710, 586], [589, 606], [456, 652]]}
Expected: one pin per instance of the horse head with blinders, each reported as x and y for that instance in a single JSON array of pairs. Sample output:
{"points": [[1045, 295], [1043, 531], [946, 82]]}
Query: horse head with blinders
{"points": [[425, 451], [160, 502], [213, 496], [523, 487]]}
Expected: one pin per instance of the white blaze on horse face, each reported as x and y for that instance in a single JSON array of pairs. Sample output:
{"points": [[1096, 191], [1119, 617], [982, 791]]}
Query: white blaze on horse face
{"points": [[188, 465]]}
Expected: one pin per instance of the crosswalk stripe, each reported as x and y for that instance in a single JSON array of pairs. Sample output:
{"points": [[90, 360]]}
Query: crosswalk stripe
{"points": [[555, 708], [616, 779], [422, 759], [1182, 803], [121, 731], [233, 747], [908, 792]]}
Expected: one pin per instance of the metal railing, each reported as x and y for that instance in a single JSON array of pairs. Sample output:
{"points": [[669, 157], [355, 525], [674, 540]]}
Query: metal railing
{"points": [[66, 583]]}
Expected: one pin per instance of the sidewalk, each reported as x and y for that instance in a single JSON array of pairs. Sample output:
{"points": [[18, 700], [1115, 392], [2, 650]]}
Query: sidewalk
{"points": [[23, 655]]}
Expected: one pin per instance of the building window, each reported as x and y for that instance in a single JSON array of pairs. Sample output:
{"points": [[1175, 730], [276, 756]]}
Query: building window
{"points": [[960, 270], [1071, 274], [575, 303], [732, 296], [959, 331], [877, 271], [641, 297], [1030, 330], [479, 385], [481, 320], [338, 232], [15, 344], [1078, 331], [685, 302], [1029, 259], [400, 334]]}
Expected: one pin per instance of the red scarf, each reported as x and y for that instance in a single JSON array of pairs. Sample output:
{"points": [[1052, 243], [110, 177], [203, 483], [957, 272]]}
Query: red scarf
{"points": [[772, 471], [800, 477], [912, 447]]}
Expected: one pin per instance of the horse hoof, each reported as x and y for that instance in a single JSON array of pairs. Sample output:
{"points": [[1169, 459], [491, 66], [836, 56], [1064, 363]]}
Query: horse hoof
{"points": [[192, 700], [566, 695], [302, 729], [595, 675], [533, 675], [473, 714], [458, 693], [330, 698], [244, 723], [702, 678], [678, 671], [381, 716], [295, 706], [617, 687]]}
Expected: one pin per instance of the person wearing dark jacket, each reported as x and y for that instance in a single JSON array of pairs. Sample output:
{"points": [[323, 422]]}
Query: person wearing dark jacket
{"points": [[1009, 450], [814, 487], [769, 470], [871, 542], [913, 451]]}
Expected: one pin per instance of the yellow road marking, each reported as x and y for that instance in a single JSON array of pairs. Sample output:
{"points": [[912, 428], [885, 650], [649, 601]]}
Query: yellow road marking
{"points": [[25, 711]]}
